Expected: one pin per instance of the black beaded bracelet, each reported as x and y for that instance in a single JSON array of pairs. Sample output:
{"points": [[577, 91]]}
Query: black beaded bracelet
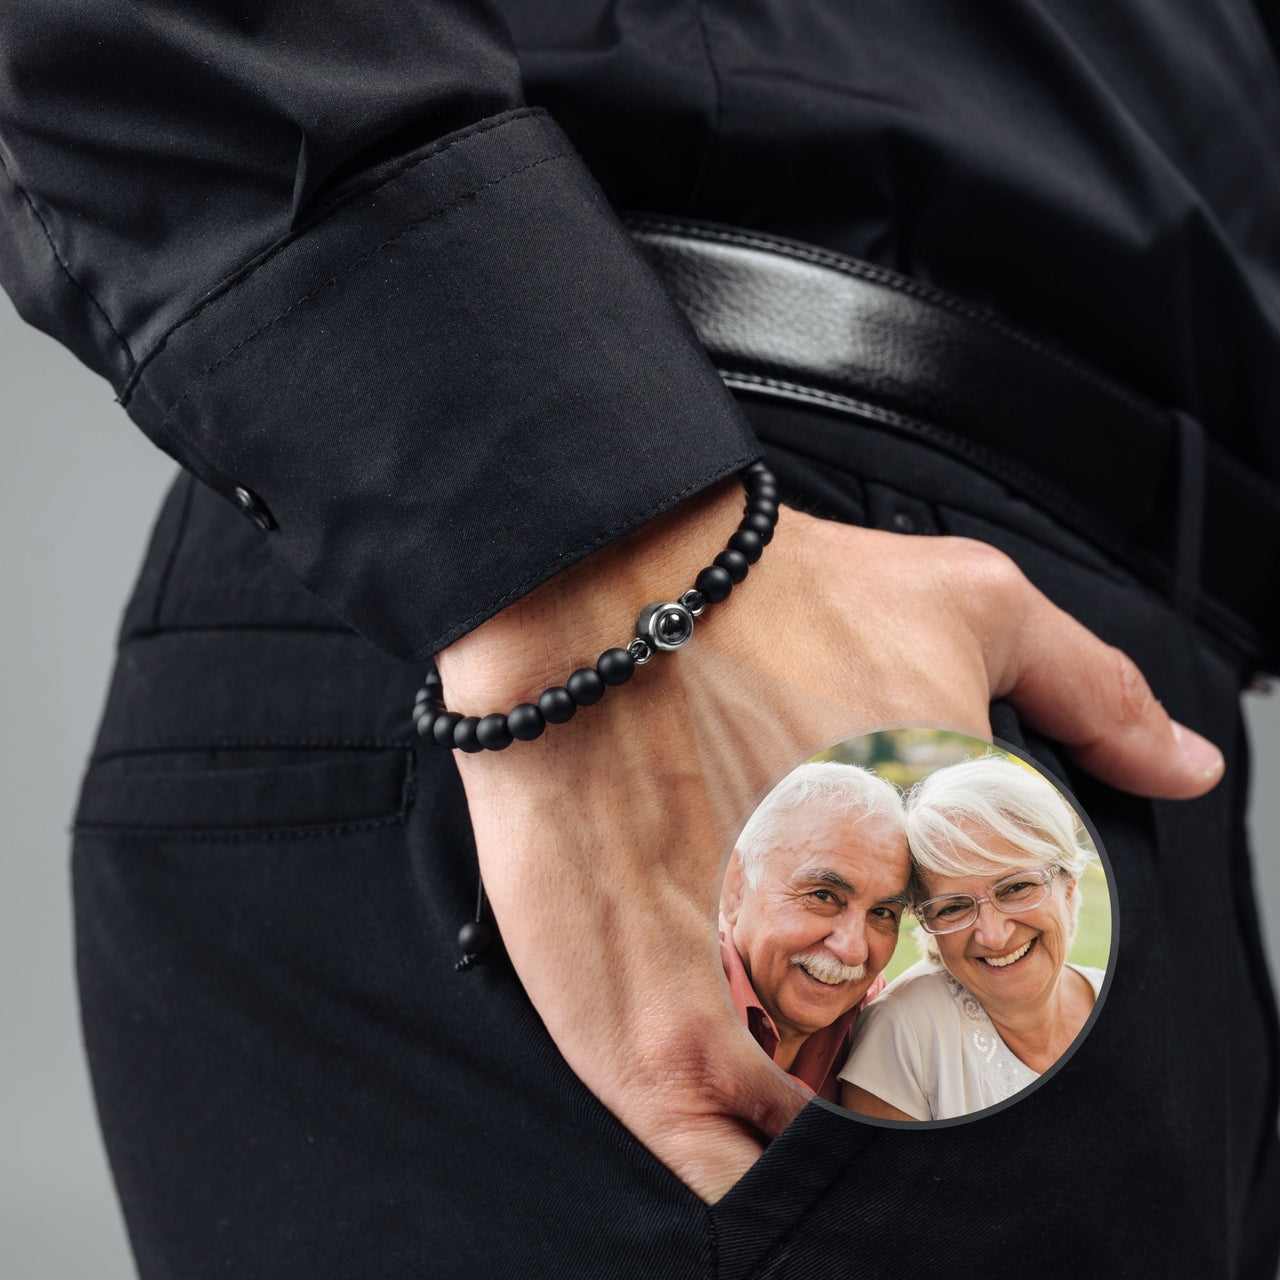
{"points": [[661, 627]]}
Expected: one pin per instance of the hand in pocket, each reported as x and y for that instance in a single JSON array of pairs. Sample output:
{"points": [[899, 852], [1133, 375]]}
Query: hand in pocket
{"points": [[601, 842]]}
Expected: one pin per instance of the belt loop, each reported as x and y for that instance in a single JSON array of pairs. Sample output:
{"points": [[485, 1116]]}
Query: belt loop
{"points": [[1189, 537]]}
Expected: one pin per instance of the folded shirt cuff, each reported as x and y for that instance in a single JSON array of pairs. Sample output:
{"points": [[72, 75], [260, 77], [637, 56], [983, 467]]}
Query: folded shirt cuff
{"points": [[457, 380]]}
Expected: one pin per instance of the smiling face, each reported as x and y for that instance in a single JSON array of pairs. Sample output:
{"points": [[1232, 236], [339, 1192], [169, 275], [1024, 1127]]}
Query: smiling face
{"points": [[1008, 962], [823, 920]]}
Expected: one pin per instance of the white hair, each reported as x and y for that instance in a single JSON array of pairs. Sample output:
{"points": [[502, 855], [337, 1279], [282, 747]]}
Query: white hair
{"points": [[957, 813], [840, 790]]}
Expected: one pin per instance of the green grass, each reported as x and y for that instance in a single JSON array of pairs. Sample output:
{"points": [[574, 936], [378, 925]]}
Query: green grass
{"points": [[1093, 940]]}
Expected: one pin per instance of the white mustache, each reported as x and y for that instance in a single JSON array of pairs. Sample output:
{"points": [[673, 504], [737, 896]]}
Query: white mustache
{"points": [[826, 968]]}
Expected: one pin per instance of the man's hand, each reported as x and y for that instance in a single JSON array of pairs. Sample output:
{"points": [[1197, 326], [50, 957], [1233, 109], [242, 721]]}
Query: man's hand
{"points": [[601, 843]]}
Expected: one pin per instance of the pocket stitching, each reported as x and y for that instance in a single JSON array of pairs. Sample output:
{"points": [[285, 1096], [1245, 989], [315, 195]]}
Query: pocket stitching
{"points": [[162, 746], [266, 831]]}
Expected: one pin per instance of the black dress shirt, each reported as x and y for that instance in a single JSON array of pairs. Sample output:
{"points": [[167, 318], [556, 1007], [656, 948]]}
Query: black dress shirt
{"points": [[360, 261]]}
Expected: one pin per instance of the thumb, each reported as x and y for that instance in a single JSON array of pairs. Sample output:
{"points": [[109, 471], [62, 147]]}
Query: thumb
{"points": [[758, 1094], [745, 1102], [1088, 695]]}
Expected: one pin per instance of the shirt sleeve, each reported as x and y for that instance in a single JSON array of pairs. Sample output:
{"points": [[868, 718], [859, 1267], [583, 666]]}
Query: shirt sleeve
{"points": [[333, 265]]}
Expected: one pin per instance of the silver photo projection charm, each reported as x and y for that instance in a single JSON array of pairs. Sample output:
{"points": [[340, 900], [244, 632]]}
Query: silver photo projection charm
{"points": [[666, 625]]}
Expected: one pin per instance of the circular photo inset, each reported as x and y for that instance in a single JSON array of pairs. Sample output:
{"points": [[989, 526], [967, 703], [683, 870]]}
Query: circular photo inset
{"points": [[917, 925]]}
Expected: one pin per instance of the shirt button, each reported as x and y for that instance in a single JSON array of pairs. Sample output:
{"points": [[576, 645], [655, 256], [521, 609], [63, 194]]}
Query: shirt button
{"points": [[903, 522], [254, 508]]}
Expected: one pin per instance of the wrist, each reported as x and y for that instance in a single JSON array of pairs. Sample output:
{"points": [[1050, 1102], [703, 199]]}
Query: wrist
{"points": [[568, 621]]}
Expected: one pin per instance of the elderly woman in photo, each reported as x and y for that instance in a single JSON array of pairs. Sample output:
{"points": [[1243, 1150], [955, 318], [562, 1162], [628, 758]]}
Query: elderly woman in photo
{"points": [[994, 1003]]}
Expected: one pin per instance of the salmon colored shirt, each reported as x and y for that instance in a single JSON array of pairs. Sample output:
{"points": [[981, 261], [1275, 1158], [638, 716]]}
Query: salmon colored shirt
{"points": [[822, 1055]]}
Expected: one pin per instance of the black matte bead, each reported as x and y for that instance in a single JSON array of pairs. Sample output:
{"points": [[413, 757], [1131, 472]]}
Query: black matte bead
{"points": [[763, 507], [585, 687], [557, 705], [433, 681], [758, 524], [759, 469], [464, 735], [763, 489], [425, 721], [475, 936], [714, 583], [615, 666], [734, 563], [492, 732], [442, 729], [526, 722], [751, 544]]}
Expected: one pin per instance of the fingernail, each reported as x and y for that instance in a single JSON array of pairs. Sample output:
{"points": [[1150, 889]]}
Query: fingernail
{"points": [[1198, 752]]}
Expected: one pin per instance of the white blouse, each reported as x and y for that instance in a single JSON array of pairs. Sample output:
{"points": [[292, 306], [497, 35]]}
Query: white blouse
{"points": [[927, 1047]]}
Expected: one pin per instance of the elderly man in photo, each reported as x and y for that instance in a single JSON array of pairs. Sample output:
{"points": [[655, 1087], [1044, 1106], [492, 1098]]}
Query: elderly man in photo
{"points": [[810, 907]]}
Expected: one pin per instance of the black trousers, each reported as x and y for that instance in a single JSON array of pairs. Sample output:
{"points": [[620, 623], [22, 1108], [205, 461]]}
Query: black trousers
{"points": [[294, 1081]]}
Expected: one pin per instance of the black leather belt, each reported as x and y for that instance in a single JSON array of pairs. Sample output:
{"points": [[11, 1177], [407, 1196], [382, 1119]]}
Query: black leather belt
{"points": [[785, 319]]}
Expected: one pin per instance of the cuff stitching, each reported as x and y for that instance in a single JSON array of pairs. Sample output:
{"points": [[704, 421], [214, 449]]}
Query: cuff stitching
{"points": [[333, 279], [252, 267]]}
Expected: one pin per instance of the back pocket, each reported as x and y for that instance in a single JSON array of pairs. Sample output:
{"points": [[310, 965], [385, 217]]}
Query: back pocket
{"points": [[220, 791]]}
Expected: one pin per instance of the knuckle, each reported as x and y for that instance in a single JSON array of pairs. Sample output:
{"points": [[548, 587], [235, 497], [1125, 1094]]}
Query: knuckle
{"points": [[1133, 699], [698, 1081], [984, 572], [689, 1070]]}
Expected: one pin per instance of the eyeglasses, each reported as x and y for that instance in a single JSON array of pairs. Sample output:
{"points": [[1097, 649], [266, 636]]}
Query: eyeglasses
{"points": [[956, 911]]}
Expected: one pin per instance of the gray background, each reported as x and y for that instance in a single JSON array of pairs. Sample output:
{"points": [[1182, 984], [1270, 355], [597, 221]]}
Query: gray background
{"points": [[80, 487]]}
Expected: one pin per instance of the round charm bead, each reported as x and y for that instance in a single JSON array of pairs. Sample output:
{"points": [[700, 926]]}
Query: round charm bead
{"points": [[492, 732], [526, 722], [714, 583], [666, 625], [671, 628], [475, 936], [464, 735], [557, 704], [734, 563], [750, 543], [585, 687], [615, 666], [758, 524], [442, 730]]}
